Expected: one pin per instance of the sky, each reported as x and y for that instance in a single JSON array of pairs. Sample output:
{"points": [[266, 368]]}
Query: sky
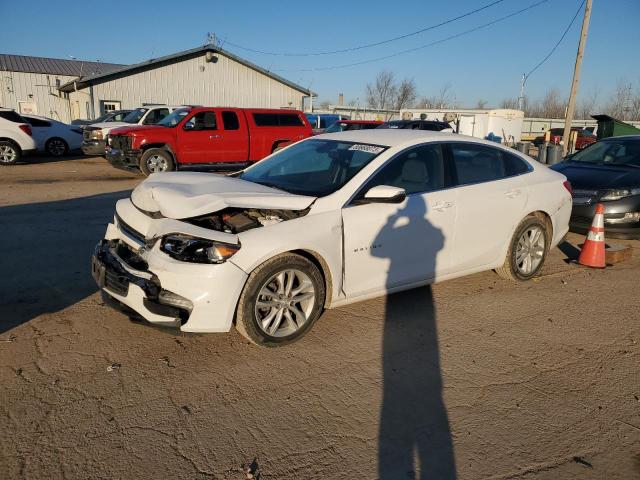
{"points": [[485, 64]]}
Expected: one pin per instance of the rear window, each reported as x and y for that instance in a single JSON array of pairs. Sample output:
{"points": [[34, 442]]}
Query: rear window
{"points": [[12, 116], [36, 122], [277, 120]]}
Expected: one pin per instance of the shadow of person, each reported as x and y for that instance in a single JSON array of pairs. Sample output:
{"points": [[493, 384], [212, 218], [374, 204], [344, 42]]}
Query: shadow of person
{"points": [[414, 437]]}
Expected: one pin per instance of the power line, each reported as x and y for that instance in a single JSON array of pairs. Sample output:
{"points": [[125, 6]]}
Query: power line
{"points": [[403, 52], [368, 45], [564, 34]]}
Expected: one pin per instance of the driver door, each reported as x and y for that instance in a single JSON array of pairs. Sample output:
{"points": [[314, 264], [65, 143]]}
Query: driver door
{"points": [[392, 245]]}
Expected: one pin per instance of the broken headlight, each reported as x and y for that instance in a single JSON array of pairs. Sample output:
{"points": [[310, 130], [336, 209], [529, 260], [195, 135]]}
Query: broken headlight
{"points": [[196, 250]]}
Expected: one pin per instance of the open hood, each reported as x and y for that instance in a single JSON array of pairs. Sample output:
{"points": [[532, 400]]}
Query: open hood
{"points": [[188, 194]]}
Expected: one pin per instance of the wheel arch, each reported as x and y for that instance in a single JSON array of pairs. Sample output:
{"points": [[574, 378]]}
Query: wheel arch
{"points": [[546, 218], [322, 264], [12, 141]]}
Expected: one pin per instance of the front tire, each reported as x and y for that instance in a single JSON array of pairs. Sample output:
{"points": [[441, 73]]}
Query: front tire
{"points": [[527, 250], [281, 301], [156, 160], [56, 147], [9, 153]]}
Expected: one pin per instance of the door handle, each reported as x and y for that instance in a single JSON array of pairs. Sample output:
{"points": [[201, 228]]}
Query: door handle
{"points": [[212, 137], [513, 193], [442, 206]]}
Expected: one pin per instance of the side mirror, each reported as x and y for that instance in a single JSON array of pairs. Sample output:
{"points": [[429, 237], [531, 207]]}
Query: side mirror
{"points": [[189, 126], [385, 194]]}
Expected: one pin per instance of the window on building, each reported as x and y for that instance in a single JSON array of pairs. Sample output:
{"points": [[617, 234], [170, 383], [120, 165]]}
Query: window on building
{"points": [[230, 121]]}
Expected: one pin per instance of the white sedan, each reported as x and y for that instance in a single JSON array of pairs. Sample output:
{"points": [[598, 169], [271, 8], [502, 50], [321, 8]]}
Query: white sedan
{"points": [[54, 137], [330, 220]]}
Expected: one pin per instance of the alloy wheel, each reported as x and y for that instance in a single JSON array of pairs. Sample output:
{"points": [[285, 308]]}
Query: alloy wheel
{"points": [[285, 302], [530, 250], [56, 147], [157, 163], [8, 154]]}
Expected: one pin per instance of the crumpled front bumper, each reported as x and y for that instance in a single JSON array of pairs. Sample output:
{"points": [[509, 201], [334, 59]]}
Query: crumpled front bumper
{"points": [[164, 291], [125, 160], [93, 147]]}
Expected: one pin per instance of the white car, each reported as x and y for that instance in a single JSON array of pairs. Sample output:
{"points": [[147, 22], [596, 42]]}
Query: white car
{"points": [[54, 137], [330, 220], [16, 138], [95, 136]]}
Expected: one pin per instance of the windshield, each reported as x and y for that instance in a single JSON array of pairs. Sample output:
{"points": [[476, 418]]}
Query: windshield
{"points": [[611, 152], [135, 115], [174, 118], [336, 127], [313, 167]]}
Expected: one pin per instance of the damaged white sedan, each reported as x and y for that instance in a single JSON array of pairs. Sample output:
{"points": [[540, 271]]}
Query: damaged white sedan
{"points": [[328, 221]]}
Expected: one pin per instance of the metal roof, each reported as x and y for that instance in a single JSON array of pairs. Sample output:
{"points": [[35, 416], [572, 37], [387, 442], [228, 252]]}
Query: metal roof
{"points": [[54, 66], [176, 57]]}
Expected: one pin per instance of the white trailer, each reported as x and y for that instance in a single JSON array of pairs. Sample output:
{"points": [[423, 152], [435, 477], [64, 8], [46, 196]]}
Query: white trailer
{"points": [[503, 123]]}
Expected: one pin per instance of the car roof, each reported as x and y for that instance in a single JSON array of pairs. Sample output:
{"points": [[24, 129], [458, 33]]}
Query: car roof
{"points": [[361, 121], [393, 137]]}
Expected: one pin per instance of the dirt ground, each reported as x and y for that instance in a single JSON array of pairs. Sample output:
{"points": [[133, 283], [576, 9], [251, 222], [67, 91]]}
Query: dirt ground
{"points": [[473, 378]]}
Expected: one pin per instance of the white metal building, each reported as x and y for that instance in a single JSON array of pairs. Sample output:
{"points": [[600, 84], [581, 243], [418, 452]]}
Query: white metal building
{"points": [[202, 76], [30, 84]]}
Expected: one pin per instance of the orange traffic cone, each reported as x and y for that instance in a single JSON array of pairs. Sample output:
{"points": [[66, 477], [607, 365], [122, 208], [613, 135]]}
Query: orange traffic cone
{"points": [[592, 253]]}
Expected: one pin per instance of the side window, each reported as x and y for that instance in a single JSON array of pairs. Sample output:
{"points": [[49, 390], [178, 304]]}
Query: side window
{"points": [[417, 170], [289, 120], [118, 117], [476, 163], [204, 121], [514, 165], [154, 116], [230, 121], [36, 122], [265, 119]]}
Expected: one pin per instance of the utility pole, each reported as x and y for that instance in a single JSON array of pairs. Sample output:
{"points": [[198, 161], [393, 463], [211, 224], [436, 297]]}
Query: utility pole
{"points": [[521, 97], [576, 78]]}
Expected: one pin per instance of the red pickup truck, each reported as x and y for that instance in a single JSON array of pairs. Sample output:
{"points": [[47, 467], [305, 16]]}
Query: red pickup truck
{"points": [[204, 138]]}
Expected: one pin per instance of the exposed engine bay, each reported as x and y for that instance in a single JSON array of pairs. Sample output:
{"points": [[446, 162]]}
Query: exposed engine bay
{"points": [[237, 220]]}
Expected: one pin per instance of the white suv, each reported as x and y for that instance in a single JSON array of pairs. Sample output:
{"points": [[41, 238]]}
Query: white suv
{"points": [[95, 135], [15, 137]]}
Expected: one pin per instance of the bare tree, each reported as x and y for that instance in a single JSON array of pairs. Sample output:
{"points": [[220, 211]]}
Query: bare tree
{"points": [[406, 94], [382, 93], [481, 104], [588, 106], [445, 97], [620, 104], [324, 105]]}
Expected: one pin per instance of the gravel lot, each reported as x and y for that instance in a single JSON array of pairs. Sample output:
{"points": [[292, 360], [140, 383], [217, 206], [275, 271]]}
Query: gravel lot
{"points": [[477, 376]]}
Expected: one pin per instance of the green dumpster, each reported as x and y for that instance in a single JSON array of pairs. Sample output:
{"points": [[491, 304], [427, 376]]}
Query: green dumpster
{"points": [[611, 127]]}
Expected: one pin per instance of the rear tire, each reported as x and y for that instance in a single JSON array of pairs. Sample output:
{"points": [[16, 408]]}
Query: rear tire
{"points": [[281, 301], [156, 160], [527, 250], [56, 147], [9, 153]]}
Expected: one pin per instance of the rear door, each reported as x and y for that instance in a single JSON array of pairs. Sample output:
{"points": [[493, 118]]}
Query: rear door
{"points": [[234, 144], [389, 245], [491, 198]]}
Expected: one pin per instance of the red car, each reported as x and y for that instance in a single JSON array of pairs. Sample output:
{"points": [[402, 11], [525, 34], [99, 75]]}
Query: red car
{"points": [[344, 125], [585, 137], [205, 138]]}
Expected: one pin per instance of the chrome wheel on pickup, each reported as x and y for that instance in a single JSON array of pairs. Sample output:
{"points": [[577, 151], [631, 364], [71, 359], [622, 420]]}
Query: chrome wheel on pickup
{"points": [[281, 300], [156, 160]]}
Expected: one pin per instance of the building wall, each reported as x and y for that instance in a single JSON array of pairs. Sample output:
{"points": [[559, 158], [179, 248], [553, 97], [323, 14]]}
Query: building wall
{"points": [[193, 81], [16, 87]]}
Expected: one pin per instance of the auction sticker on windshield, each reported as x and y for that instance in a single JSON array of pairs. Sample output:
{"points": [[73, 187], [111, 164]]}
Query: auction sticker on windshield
{"points": [[366, 148]]}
